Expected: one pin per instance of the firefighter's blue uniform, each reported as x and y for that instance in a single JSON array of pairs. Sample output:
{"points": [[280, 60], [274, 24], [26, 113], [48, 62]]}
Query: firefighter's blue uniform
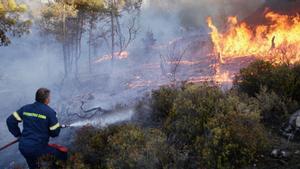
{"points": [[39, 123]]}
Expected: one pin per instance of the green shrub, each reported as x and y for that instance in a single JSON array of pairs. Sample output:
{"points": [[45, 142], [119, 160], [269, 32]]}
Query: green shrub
{"points": [[134, 148], [162, 103], [202, 127], [76, 162], [283, 79], [91, 144], [296, 92], [274, 109], [191, 111], [216, 129], [187, 122], [126, 147], [50, 162], [251, 79], [237, 137], [276, 88]]}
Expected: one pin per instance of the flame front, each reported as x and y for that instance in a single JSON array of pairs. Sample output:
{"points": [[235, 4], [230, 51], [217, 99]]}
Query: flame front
{"points": [[278, 39], [118, 55]]}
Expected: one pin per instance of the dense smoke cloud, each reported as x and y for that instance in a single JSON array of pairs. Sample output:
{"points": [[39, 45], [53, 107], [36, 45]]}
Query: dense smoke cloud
{"points": [[172, 19], [192, 14]]}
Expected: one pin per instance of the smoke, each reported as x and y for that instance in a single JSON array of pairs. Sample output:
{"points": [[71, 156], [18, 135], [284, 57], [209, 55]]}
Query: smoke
{"points": [[170, 17], [31, 62], [26, 65]]}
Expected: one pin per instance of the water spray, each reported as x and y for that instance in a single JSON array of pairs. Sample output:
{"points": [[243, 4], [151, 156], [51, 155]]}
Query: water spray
{"points": [[106, 119]]}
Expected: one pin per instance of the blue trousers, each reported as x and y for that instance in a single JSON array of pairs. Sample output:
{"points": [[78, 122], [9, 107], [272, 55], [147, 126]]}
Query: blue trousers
{"points": [[33, 156]]}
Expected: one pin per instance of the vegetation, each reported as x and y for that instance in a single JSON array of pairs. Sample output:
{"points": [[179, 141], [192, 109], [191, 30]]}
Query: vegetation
{"points": [[192, 126], [126, 146], [70, 21], [196, 126], [276, 87], [237, 138], [10, 22], [162, 103], [283, 79], [213, 128]]}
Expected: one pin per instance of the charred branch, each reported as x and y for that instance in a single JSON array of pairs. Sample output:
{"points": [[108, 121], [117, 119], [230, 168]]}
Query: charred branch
{"points": [[95, 109], [172, 59]]}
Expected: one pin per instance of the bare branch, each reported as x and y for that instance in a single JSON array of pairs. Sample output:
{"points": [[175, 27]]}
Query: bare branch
{"points": [[99, 109], [172, 58]]}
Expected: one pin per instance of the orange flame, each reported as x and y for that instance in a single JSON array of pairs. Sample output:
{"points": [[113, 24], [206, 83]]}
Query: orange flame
{"points": [[118, 55], [277, 40]]}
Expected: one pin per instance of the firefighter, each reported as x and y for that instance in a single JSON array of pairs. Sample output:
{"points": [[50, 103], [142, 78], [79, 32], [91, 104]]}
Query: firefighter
{"points": [[39, 124]]}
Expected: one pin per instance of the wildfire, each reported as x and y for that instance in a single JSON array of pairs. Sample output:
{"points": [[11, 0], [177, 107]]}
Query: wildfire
{"points": [[183, 62], [278, 39], [222, 77], [117, 55], [139, 83]]}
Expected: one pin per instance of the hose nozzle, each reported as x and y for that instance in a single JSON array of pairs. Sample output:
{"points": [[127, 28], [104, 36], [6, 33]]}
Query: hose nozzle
{"points": [[64, 126]]}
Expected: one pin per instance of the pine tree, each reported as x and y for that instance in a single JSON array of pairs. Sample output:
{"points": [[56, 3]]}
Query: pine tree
{"points": [[10, 23]]}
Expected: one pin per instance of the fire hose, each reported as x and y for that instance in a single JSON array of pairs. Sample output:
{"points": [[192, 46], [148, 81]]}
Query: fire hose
{"points": [[9, 144], [18, 139]]}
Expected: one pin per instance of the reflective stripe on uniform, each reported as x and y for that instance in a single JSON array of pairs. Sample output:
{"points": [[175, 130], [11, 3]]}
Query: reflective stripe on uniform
{"points": [[55, 126], [16, 115], [35, 115]]}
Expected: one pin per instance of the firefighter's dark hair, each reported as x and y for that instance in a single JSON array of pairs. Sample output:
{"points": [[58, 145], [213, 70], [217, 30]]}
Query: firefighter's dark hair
{"points": [[42, 94]]}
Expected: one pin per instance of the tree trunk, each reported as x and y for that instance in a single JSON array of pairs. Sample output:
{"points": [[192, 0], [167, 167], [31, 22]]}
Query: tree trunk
{"points": [[90, 48], [92, 20], [79, 32], [112, 29], [65, 60]]}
